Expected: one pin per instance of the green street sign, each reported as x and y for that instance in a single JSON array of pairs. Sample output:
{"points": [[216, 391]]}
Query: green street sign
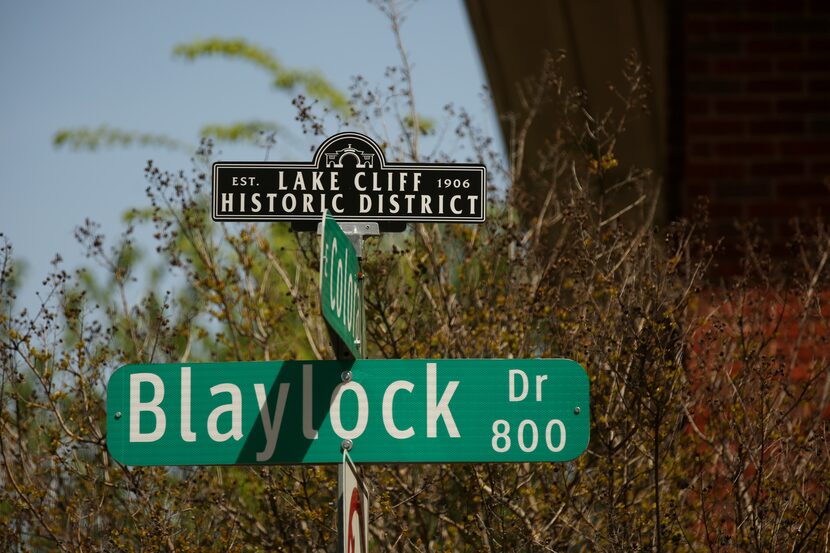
{"points": [[392, 411], [341, 292]]}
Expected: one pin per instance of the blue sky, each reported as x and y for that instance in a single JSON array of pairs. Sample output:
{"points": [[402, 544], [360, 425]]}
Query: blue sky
{"points": [[97, 62]]}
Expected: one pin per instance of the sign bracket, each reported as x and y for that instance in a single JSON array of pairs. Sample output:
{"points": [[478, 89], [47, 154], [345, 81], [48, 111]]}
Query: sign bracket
{"points": [[356, 232]]}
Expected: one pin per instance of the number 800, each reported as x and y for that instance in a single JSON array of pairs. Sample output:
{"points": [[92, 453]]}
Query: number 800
{"points": [[501, 436]]}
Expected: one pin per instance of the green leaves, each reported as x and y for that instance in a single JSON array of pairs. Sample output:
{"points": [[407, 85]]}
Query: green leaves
{"points": [[310, 82], [283, 78], [244, 131], [86, 138]]}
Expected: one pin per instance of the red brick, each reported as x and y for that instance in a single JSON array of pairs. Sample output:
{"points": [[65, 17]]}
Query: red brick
{"points": [[696, 189], [806, 147], [777, 169], [820, 169], [727, 209], [700, 149], [741, 25], [757, 137], [697, 65], [753, 107], [819, 6], [745, 149], [774, 46], [819, 126], [743, 65], [716, 127], [723, 86], [778, 6], [745, 190], [717, 46], [714, 170], [697, 25], [785, 230], [696, 105], [804, 65], [808, 106], [819, 45], [710, 7], [775, 86], [817, 208], [776, 210], [803, 189], [801, 25], [776, 126], [819, 85]]}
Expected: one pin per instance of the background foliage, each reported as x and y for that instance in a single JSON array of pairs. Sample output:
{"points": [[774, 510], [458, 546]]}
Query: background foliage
{"points": [[710, 395]]}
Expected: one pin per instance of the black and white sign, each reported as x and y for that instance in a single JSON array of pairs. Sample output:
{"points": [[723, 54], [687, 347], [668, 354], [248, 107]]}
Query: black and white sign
{"points": [[350, 178]]}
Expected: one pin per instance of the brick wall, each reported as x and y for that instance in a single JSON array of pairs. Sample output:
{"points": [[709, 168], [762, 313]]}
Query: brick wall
{"points": [[755, 102]]}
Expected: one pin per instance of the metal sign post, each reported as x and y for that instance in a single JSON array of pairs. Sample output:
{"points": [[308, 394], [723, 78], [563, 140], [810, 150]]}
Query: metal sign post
{"points": [[352, 509]]}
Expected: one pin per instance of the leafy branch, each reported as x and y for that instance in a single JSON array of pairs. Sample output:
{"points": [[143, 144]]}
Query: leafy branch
{"points": [[283, 78]]}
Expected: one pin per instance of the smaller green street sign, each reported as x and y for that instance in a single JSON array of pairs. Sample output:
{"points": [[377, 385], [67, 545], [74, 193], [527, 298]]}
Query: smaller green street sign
{"points": [[392, 411], [341, 289]]}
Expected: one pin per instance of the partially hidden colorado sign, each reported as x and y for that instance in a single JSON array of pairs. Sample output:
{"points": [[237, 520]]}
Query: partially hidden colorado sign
{"points": [[341, 289], [349, 177], [393, 411]]}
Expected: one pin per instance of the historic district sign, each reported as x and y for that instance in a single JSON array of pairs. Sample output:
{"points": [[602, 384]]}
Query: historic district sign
{"points": [[341, 289], [350, 178], [393, 411]]}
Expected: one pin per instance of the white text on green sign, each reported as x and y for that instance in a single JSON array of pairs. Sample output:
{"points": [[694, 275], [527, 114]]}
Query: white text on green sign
{"points": [[408, 411], [341, 293]]}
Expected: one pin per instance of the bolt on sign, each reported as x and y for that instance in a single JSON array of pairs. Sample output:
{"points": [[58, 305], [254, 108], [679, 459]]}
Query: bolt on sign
{"points": [[350, 177], [341, 290], [353, 509], [392, 411]]}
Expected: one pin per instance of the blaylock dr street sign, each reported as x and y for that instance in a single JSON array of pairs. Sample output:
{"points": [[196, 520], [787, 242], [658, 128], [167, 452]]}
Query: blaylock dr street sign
{"points": [[392, 411], [349, 177], [341, 290]]}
